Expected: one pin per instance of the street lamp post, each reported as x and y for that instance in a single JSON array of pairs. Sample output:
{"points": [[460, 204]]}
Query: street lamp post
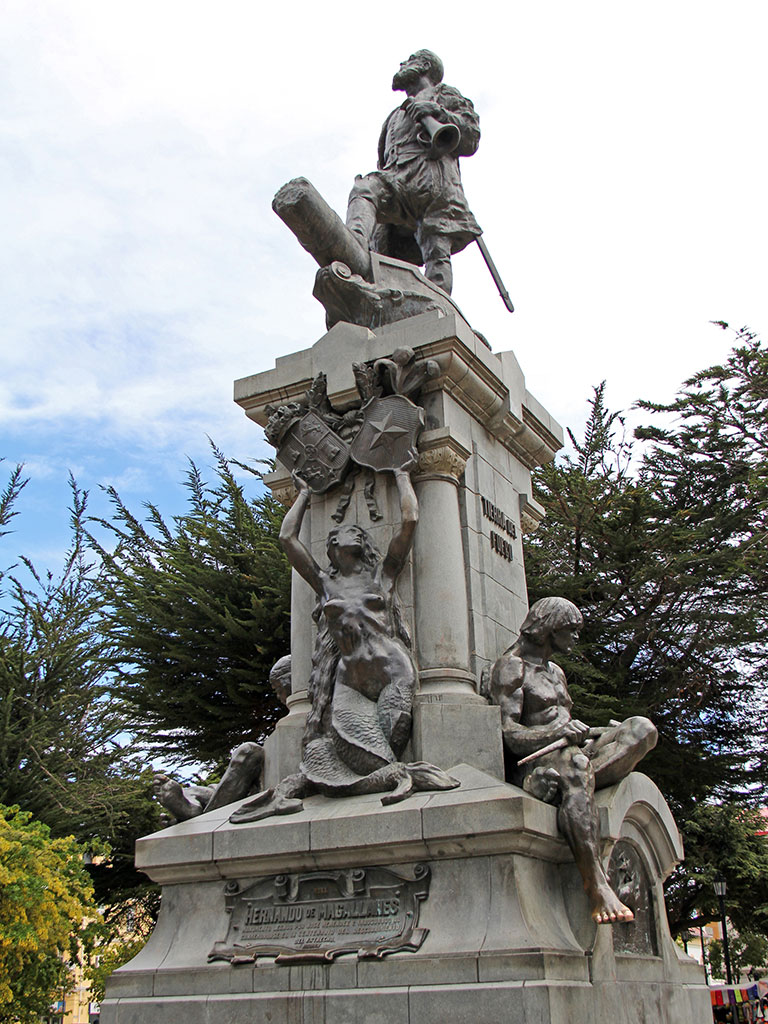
{"points": [[720, 891], [703, 954]]}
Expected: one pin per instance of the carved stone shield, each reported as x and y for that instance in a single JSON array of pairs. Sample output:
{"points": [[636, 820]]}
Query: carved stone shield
{"points": [[387, 438], [315, 452]]}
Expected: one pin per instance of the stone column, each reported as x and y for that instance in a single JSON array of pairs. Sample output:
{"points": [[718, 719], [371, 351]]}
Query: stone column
{"points": [[441, 608], [282, 749], [451, 721]]}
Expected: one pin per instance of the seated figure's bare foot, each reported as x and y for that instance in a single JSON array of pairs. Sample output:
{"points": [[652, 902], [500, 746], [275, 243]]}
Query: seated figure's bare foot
{"points": [[174, 798], [543, 783], [607, 908]]}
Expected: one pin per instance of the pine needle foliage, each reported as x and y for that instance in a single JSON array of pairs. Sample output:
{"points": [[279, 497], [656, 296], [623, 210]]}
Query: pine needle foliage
{"points": [[56, 722], [15, 485], [63, 753], [723, 838], [661, 542], [199, 609]]}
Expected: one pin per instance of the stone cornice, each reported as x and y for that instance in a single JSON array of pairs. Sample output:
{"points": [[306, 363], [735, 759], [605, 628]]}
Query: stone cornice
{"points": [[479, 389], [490, 387], [482, 817]]}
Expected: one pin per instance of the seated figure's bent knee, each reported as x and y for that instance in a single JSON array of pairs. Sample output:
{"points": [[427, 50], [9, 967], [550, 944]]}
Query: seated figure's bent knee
{"points": [[643, 732], [247, 752]]}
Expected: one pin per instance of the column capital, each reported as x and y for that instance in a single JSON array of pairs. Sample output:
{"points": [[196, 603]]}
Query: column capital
{"points": [[531, 514], [441, 456], [281, 486]]}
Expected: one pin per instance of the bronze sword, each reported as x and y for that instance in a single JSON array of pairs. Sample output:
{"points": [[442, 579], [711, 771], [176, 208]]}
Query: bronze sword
{"points": [[495, 274]]}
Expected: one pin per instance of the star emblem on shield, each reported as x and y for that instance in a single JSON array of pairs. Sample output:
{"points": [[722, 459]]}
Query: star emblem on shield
{"points": [[387, 438]]}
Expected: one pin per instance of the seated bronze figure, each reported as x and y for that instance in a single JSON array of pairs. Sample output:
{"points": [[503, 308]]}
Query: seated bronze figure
{"points": [[561, 760]]}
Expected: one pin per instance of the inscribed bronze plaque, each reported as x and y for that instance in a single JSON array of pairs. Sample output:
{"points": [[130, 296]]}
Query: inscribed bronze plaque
{"points": [[317, 916]]}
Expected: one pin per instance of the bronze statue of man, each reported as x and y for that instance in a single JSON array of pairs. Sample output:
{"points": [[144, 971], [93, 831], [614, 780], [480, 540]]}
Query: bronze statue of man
{"points": [[536, 713], [413, 207]]}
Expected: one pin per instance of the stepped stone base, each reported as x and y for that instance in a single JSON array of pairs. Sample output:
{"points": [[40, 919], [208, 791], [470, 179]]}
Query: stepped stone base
{"points": [[508, 932]]}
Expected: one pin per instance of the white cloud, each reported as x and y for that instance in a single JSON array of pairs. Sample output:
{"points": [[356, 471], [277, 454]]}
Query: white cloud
{"points": [[619, 181]]}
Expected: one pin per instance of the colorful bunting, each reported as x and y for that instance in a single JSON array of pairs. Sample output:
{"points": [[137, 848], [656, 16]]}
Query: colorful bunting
{"points": [[727, 995]]}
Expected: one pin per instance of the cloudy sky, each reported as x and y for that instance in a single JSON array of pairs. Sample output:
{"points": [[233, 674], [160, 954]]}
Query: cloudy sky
{"points": [[620, 182]]}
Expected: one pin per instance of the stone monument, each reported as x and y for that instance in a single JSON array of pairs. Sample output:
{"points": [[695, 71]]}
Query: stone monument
{"points": [[435, 837]]}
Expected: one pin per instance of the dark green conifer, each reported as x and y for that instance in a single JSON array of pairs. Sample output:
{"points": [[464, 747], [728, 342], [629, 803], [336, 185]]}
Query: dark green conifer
{"points": [[662, 544], [199, 611]]}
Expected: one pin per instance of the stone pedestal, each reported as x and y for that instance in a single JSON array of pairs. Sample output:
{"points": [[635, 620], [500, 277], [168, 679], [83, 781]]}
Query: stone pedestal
{"points": [[464, 594], [508, 936], [461, 906]]}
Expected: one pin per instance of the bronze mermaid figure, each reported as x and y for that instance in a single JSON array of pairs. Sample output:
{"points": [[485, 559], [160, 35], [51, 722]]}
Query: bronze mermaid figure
{"points": [[363, 675]]}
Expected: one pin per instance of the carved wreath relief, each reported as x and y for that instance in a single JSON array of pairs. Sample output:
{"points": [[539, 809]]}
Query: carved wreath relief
{"points": [[629, 879]]}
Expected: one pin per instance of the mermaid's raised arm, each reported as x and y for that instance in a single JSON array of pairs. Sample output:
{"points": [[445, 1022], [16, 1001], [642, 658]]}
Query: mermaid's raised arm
{"points": [[402, 542], [298, 555]]}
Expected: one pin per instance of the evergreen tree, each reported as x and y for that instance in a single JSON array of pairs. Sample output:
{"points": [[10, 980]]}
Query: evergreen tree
{"points": [[63, 754], [663, 549], [662, 544], [14, 487], [721, 838], [199, 610]]}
